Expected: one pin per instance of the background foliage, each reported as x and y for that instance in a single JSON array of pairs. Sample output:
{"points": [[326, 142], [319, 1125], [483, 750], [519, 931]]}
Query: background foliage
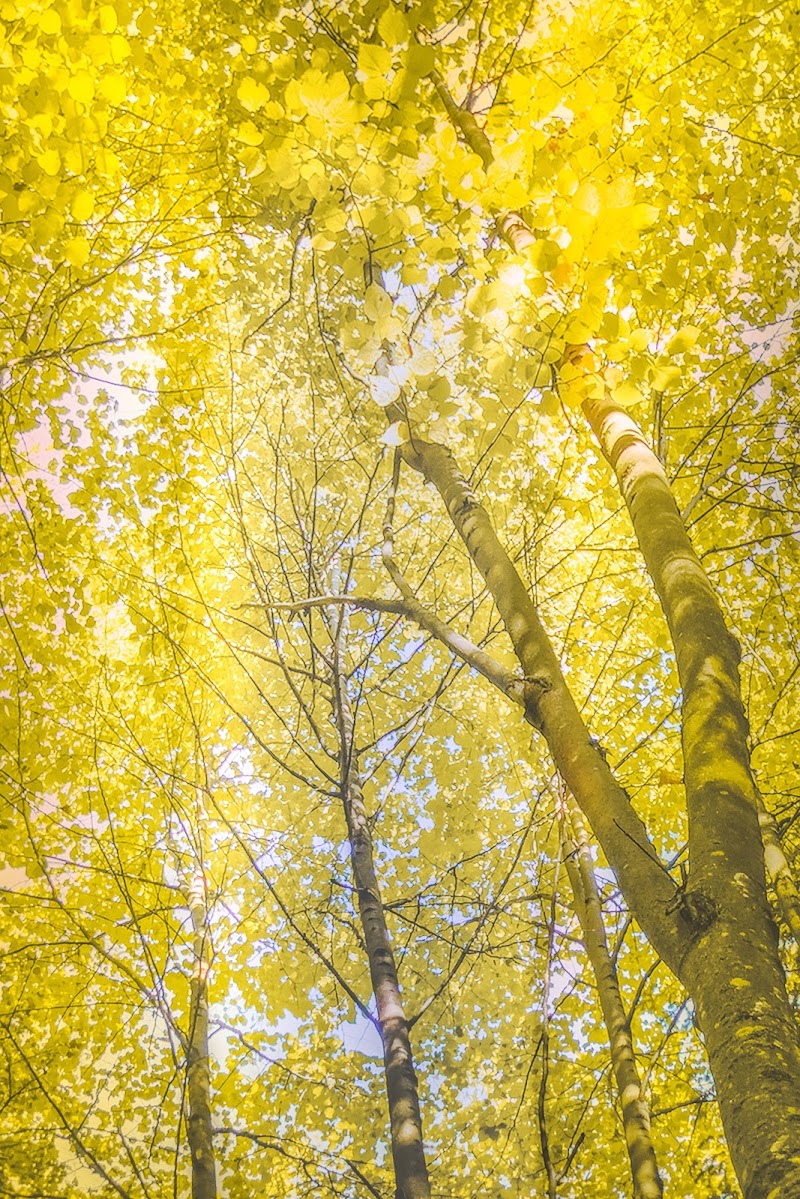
{"points": [[196, 205]]}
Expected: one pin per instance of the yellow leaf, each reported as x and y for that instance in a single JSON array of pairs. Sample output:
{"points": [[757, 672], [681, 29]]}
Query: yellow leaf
{"points": [[572, 396], [423, 363], [591, 315], [419, 60], [253, 160], [377, 302], [644, 215], [81, 87], [502, 293], [549, 404], [665, 376], [75, 158], [146, 22], [83, 205], [567, 181], [107, 162], [113, 88], [539, 374], [587, 198], [627, 394], [108, 18], [77, 251], [325, 97], [49, 225], [120, 49], [440, 392], [98, 48], [593, 387], [50, 21], [374, 60], [580, 224], [620, 193], [249, 134], [314, 90], [393, 27], [640, 339], [577, 331], [283, 165], [50, 162], [251, 94], [683, 340]]}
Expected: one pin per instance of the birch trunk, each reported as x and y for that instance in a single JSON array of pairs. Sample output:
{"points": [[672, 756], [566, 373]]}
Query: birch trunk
{"points": [[201, 1143], [779, 872], [519, 237]]}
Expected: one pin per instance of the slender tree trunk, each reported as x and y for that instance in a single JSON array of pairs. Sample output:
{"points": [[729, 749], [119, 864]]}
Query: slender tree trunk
{"points": [[731, 967], [550, 707], [408, 1153], [779, 872], [541, 1105], [635, 1111], [201, 1143]]}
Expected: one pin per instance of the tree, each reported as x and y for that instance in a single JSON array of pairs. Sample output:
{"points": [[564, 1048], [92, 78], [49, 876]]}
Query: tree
{"points": [[323, 259]]}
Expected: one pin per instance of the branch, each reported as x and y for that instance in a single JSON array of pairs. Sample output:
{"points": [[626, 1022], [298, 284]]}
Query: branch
{"points": [[504, 680], [464, 121]]}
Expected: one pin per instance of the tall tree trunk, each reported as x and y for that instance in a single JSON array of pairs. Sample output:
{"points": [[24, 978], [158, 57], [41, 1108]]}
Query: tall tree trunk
{"points": [[201, 1142], [408, 1153], [635, 1111], [731, 966]]}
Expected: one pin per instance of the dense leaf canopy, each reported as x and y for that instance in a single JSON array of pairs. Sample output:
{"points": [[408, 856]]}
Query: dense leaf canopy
{"points": [[250, 256]]}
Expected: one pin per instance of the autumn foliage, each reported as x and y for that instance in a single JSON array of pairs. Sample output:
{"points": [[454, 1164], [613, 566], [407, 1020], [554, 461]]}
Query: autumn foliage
{"points": [[399, 694]]}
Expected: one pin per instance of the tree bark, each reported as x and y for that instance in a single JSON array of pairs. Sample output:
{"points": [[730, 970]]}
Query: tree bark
{"points": [[408, 1153], [647, 1182], [201, 1142], [731, 967]]}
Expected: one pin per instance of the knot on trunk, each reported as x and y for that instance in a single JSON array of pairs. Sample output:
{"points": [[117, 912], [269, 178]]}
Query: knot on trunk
{"points": [[696, 909], [466, 502], [527, 692]]}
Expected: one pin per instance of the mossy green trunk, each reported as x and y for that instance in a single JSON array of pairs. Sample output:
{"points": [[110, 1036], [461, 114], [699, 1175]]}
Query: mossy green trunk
{"points": [[730, 966]]}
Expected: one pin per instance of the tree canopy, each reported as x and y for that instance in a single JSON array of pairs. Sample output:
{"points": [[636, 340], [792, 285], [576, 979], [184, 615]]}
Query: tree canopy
{"points": [[400, 665]]}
